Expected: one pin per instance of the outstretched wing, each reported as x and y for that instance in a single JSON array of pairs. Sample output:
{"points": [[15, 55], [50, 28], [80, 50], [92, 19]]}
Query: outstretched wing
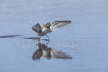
{"points": [[59, 54], [59, 24], [37, 28]]}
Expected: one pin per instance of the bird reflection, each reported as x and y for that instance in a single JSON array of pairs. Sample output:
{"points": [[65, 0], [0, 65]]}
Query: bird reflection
{"points": [[48, 52]]}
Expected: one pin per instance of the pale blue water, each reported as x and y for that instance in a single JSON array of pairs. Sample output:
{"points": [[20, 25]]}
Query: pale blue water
{"points": [[85, 39]]}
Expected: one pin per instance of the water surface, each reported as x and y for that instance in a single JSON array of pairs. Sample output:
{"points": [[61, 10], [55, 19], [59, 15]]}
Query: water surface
{"points": [[85, 39]]}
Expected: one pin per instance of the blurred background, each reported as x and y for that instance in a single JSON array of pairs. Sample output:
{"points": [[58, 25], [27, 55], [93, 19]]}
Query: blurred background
{"points": [[85, 39]]}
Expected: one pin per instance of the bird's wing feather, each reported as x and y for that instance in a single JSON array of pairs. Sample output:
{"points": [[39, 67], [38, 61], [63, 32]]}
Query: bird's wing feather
{"points": [[59, 24]]}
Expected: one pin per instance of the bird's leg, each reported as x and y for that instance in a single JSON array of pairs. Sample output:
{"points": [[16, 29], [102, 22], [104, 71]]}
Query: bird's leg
{"points": [[47, 39]]}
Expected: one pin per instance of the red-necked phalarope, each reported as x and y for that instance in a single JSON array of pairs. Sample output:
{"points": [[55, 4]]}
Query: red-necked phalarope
{"points": [[47, 52], [49, 27]]}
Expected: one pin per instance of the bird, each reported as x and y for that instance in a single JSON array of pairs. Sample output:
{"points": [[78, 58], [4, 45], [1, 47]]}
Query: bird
{"points": [[48, 53], [49, 27]]}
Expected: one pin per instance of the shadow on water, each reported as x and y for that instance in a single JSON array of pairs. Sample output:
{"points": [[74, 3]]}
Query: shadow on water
{"points": [[9, 36]]}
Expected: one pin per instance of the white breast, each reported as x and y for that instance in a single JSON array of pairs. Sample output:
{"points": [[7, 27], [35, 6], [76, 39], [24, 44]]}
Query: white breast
{"points": [[44, 29]]}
